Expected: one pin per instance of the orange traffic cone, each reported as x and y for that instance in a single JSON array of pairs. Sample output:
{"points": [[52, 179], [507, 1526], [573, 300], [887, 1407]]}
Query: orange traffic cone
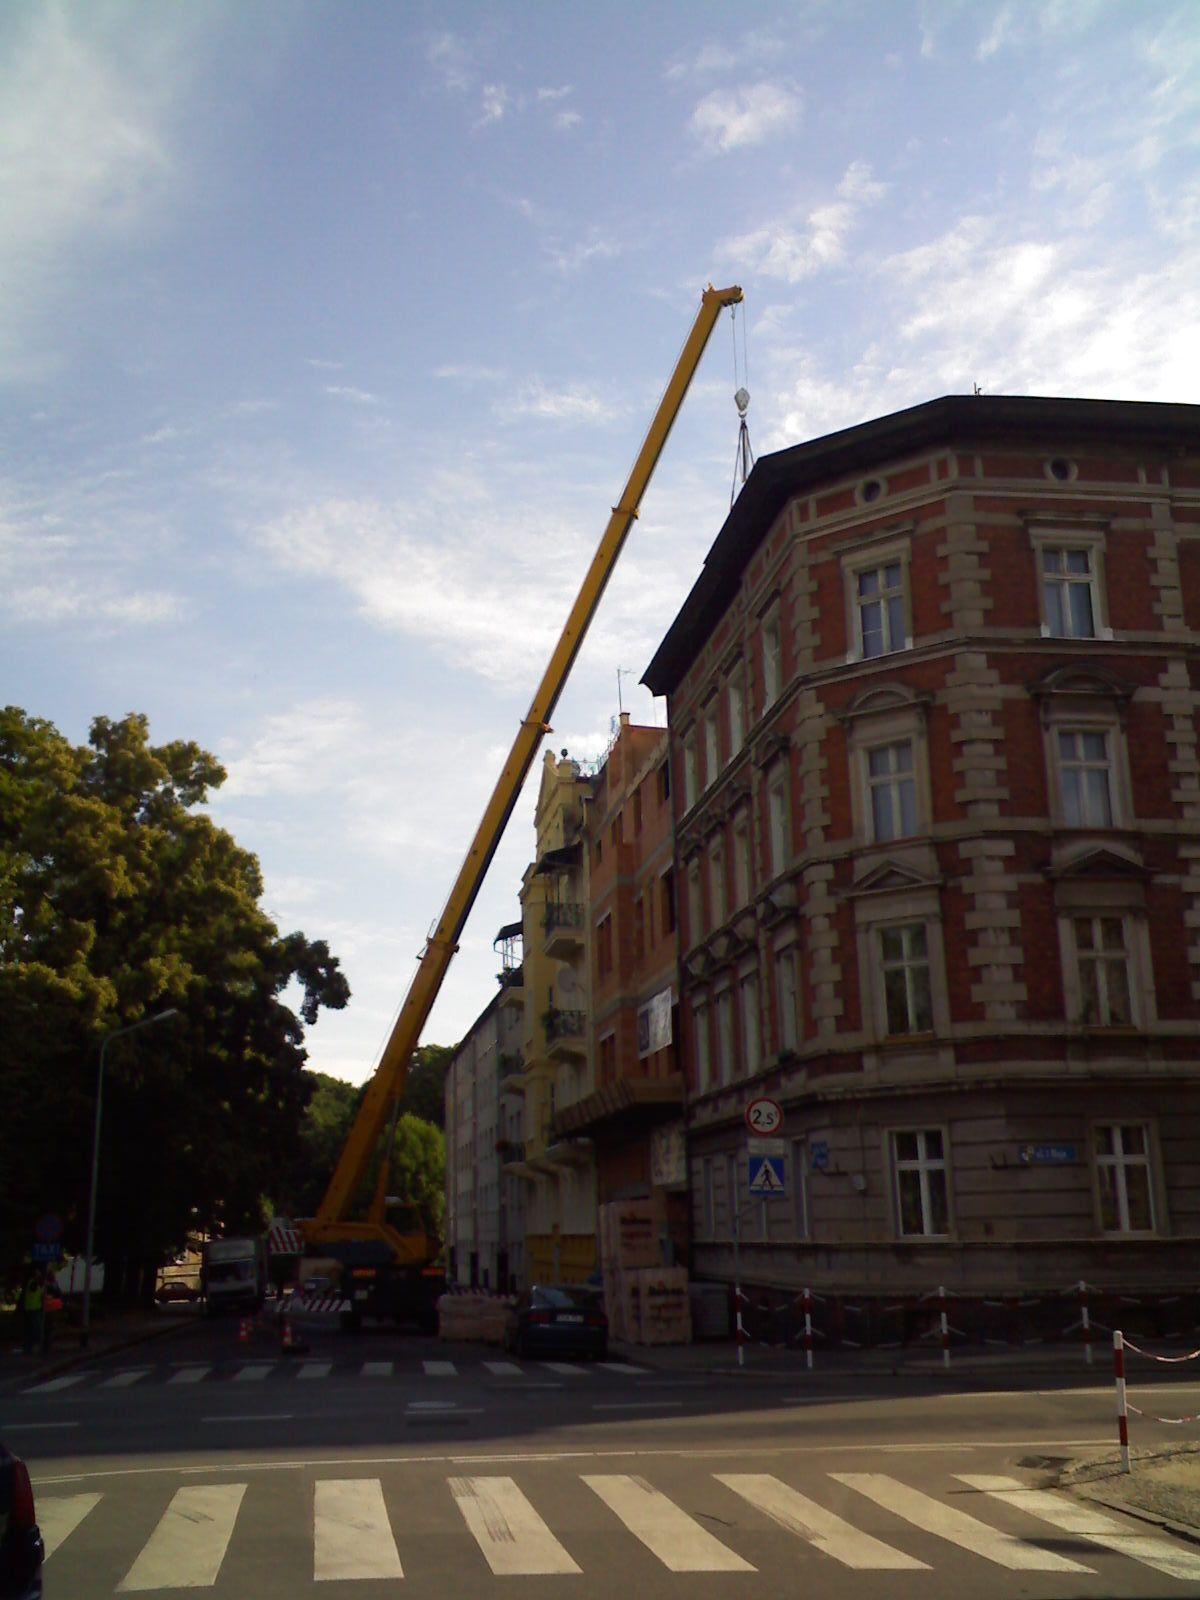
{"points": [[244, 1331], [289, 1344]]}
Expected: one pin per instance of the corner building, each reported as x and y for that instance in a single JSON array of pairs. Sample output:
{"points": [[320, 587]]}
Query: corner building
{"points": [[933, 708]]}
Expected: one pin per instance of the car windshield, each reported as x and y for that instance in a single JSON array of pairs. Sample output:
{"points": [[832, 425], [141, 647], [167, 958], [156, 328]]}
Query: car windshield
{"points": [[568, 1299], [231, 1272]]}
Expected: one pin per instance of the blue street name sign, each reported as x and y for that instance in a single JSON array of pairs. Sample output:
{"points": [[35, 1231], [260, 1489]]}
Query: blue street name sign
{"points": [[767, 1176], [47, 1252], [818, 1152], [1048, 1155]]}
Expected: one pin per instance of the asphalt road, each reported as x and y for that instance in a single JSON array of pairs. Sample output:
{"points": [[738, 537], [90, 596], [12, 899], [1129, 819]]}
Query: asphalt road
{"points": [[376, 1466]]}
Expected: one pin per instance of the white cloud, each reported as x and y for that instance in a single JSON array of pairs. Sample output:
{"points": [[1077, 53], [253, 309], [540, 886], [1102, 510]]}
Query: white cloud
{"points": [[731, 119], [1000, 33], [782, 250], [451, 61], [575, 403], [469, 372], [495, 100], [754, 45], [596, 247], [322, 365], [566, 120], [44, 605], [305, 749], [555, 94], [359, 397]]}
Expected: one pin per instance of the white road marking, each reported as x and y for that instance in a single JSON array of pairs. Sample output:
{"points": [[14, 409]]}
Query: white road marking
{"points": [[10, 1427], [440, 1369], [378, 1369], [514, 1540], [252, 1416], [621, 1366], [562, 1366], [432, 1405], [315, 1369], [122, 1380], [251, 1374], [1161, 1554], [352, 1537], [678, 1540], [51, 1385], [190, 1375], [829, 1533], [634, 1405], [503, 1369], [947, 1523], [59, 1515], [187, 1548]]}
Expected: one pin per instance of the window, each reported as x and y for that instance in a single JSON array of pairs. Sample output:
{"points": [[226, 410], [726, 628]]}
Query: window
{"points": [[880, 609], [724, 1037], [615, 832], [771, 662], [741, 860], [608, 1058], [1123, 1176], [751, 1037], [904, 963], [712, 764], [709, 1217], [1068, 592], [1085, 773], [703, 1054], [777, 813], [599, 851], [716, 885], [800, 1186], [786, 997], [691, 776], [1103, 962], [893, 791], [639, 928], [604, 947], [696, 923], [735, 696], [667, 889], [637, 809], [664, 783], [919, 1163]]}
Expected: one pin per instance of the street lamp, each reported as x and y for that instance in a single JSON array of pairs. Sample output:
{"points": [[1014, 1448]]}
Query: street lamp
{"points": [[146, 1022]]}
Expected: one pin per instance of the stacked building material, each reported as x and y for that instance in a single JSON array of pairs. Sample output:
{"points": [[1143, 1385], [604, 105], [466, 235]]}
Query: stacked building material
{"points": [[645, 1301], [473, 1317]]}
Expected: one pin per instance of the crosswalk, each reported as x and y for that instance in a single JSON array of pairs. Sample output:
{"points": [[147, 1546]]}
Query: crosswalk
{"points": [[360, 1528], [258, 1371]]}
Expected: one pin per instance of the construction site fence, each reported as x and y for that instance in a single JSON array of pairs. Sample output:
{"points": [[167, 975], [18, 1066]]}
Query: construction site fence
{"points": [[1079, 1314]]}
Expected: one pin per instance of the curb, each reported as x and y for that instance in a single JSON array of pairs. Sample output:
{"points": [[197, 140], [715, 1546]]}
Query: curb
{"points": [[1181, 1530], [67, 1363]]}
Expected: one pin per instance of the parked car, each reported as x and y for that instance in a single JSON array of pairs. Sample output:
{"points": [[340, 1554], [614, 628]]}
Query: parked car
{"points": [[562, 1318], [21, 1549], [175, 1289]]}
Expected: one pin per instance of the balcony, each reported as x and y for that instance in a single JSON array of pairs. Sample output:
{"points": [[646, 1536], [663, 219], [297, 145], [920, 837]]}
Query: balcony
{"points": [[512, 987], [564, 928], [512, 1074], [566, 1035], [569, 1152]]}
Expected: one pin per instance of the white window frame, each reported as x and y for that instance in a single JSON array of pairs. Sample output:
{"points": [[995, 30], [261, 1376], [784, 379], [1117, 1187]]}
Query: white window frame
{"points": [[787, 997], [778, 830], [1078, 763], [878, 558], [924, 1165], [751, 1024], [718, 908], [1120, 1161], [887, 716], [1058, 538], [909, 965], [691, 771], [696, 922], [712, 746], [894, 780], [703, 1046], [1103, 957], [735, 699], [772, 659]]}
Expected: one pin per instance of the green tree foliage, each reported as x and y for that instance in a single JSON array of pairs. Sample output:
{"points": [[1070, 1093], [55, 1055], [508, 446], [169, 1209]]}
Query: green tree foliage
{"points": [[419, 1170], [119, 898], [425, 1087], [331, 1109]]}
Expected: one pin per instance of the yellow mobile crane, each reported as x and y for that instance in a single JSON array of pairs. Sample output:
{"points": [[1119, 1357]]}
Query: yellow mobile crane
{"points": [[386, 1271]]}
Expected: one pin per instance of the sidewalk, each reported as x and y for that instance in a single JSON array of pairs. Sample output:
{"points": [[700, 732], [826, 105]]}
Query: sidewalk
{"points": [[721, 1356], [1163, 1487], [117, 1330]]}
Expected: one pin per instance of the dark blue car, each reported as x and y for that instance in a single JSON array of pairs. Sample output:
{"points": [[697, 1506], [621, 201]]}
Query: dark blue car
{"points": [[21, 1550], [560, 1318]]}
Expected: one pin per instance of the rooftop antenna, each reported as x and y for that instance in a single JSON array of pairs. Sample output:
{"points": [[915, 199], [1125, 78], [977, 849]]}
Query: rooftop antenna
{"points": [[622, 672]]}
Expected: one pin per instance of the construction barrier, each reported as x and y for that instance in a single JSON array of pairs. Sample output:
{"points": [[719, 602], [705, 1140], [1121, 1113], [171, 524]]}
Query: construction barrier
{"points": [[1124, 1406]]}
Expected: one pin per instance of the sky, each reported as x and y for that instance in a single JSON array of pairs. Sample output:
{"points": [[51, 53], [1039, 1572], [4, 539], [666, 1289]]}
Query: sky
{"points": [[329, 331]]}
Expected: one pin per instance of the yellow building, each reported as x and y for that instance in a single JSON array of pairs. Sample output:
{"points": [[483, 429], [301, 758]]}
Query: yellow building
{"points": [[559, 1174]]}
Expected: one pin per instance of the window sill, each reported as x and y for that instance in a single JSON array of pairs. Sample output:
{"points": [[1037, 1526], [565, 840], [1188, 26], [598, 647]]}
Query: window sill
{"points": [[902, 1041]]}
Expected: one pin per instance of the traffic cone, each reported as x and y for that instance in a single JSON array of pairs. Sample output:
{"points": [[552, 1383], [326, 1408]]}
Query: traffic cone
{"points": [[244, 1331], [289, 1344]]}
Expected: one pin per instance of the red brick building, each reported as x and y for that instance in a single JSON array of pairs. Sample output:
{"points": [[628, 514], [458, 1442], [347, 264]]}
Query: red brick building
{"points": [[933, 707], [635, 1114]]}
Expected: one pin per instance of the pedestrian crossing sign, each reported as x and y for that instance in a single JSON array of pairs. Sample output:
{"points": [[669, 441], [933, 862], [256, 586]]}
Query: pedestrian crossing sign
{"points": [[766, 1176]]}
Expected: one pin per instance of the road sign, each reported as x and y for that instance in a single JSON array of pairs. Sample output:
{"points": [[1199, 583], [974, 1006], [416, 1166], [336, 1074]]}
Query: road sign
{"points": [[768, 1147], [764, 1116], [1052, 1155], [48, 1228], [47, 1251], [766, 1176], [818, 1152]]}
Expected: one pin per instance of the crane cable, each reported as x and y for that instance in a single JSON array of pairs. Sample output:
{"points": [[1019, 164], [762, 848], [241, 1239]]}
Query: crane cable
{"points": [[743, 459]]}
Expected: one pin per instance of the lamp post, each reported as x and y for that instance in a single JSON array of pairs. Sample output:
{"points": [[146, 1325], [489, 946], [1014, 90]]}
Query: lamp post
{"points": [[146, 1022]]}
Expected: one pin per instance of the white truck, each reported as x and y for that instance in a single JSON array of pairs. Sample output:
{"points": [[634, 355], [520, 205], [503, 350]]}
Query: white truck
{"points": [[233, 1275]]}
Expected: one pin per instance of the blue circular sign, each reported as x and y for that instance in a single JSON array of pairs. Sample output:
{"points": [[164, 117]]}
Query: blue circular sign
{"points": [[48, 1228]]}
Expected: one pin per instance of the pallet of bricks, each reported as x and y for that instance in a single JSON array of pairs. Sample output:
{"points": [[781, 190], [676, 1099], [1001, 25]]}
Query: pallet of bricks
{"points": [[646, 1302], [477, 1317]]}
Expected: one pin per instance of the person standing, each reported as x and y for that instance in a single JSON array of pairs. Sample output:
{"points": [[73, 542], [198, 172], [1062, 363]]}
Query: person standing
{"points": [[33, 1312]]}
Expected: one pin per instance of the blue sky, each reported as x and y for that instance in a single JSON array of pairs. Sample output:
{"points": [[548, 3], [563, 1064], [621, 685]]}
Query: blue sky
{"points": [[329, 332]]}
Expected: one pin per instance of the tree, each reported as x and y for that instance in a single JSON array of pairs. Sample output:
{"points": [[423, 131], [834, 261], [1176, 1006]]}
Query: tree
{"points": [[119, 898], [425, 1086], [332, 1106], [419, 1170]]}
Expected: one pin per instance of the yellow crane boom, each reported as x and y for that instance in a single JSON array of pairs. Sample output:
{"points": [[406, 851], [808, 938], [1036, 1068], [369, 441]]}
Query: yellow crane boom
{"points": [[330, 1222]]}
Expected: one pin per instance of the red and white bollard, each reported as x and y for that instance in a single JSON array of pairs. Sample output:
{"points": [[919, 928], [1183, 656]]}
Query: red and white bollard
{"points": [[808, 1333], [740, 1326], [945, 1323], [1122, 1411], [1086, 1322]]}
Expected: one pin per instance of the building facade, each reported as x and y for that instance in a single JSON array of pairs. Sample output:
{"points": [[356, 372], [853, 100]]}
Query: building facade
{"points": [[484, 1217], [936, 784], [634, 1115]]}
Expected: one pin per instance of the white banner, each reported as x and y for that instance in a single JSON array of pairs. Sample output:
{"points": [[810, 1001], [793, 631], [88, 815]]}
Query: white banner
{"points": [[654, 1024], [668, 1157]]}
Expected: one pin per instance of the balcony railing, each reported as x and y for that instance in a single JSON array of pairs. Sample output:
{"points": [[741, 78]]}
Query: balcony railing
{"points": [[565, 1024], [563, 914]]}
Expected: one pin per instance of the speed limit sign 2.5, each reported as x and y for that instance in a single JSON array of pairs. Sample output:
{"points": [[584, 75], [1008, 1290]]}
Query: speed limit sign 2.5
{"points": [[764, 1116]]}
